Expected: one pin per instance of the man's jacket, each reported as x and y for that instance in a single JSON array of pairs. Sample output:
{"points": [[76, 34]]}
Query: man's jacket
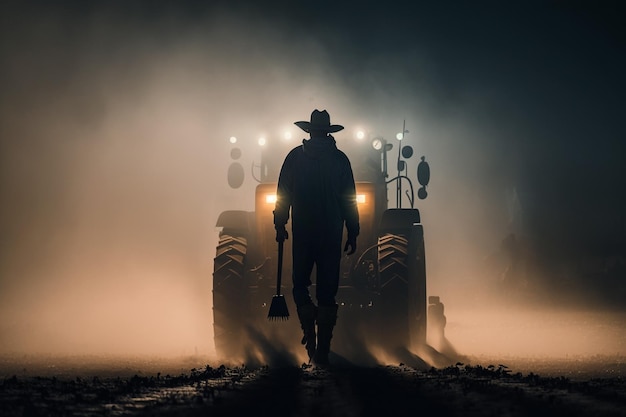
{"points": [[317, 183]]}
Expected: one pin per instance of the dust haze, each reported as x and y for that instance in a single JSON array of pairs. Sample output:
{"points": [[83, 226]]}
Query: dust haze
{"points": [[114, 128]]}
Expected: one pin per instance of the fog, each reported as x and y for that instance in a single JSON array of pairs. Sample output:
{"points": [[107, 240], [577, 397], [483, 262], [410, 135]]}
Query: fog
{"points": [[114, 127]]}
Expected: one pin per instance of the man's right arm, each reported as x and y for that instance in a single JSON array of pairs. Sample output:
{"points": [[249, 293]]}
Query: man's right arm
{"points": [[284, 194]]}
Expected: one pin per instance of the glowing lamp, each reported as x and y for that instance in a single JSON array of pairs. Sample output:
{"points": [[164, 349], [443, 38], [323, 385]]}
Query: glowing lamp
{"points": [[360, 198], [232, 139], [262, 141], [270, 198], [360, 135]]}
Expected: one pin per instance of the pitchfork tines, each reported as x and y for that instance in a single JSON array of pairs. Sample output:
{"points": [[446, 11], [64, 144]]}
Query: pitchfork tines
{"points": [[278, 308]]}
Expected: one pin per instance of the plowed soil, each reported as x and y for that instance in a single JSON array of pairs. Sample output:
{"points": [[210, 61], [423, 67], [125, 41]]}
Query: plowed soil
{"points": [[82, 387]]}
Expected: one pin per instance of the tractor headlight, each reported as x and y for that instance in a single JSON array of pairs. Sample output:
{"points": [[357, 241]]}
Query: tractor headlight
{"points": [[381, 144]]}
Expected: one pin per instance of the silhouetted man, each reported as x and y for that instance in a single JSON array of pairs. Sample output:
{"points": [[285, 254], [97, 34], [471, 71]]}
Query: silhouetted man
{"points": [[317, 184]]}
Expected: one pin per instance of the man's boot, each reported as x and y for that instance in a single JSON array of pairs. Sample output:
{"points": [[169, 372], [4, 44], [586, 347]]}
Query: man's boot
{"points": [[326, 320], [307, 315]]}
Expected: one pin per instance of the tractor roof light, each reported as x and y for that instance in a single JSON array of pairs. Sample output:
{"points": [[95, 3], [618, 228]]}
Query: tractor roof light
{"points": [[400, 135]]}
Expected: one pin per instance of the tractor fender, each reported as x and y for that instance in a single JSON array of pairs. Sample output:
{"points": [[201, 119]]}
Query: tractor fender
{"points": [[398, 219], [236, 220]]}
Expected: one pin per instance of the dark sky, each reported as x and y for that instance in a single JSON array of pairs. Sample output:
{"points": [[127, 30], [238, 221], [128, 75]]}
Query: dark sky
{"points": [[543, 80], [109, 112]]}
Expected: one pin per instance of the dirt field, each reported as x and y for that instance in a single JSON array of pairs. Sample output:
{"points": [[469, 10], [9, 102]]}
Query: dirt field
{"points": [[114, 387]]}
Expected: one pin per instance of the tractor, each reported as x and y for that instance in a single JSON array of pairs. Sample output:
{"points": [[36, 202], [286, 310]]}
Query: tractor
{"points": [[382, 290]]}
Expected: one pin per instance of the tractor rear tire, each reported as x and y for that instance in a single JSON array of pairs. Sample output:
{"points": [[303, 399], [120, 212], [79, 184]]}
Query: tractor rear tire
{"points": [[392, 258], [230, 296], [417, 291], [392, 322], [402, 288]]}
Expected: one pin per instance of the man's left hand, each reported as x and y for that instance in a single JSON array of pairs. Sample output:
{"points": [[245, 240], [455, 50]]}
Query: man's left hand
{"points": [[350, 246]]}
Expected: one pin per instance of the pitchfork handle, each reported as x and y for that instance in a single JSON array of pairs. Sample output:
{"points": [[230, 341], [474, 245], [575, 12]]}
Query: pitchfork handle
{"points": [[280, 266]]}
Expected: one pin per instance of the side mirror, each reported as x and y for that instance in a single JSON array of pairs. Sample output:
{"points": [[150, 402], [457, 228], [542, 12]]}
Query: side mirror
{"points": [[235, 175], [423, 172]]}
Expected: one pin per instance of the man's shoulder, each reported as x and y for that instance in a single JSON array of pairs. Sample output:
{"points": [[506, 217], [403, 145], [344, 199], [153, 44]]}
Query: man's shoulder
{"points": [[342, 156], [341, 153], [294, 152]]}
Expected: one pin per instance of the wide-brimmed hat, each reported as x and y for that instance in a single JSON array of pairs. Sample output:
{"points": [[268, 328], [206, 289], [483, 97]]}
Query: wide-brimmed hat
{"points": [[320, 120]]}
